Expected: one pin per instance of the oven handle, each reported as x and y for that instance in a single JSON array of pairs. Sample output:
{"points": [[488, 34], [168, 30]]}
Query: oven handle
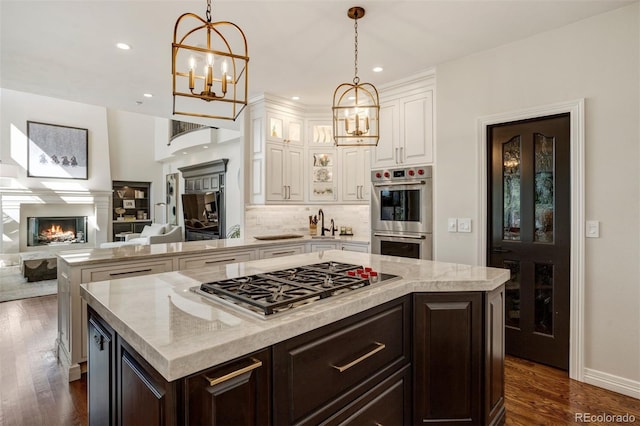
{"points": [[409, 182], [413, 237]]}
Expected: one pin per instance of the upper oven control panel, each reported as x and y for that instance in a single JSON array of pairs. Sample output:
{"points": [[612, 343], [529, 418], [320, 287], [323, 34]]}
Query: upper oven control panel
{"points": [[401, 174]]}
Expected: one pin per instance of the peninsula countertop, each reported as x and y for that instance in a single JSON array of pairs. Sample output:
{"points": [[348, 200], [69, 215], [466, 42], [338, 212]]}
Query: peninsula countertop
{"points": [[180, 332], [96, 256]]}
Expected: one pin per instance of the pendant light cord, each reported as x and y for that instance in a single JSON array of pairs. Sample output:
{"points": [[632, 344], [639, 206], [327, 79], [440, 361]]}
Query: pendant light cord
{"points": [[356, 79]]}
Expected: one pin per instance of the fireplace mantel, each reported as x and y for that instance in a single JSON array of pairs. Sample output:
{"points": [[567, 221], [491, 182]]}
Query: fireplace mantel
{"points": [[18, 204]]}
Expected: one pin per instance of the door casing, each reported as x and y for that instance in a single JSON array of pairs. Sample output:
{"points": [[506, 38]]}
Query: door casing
{"points": [[577, 268]]}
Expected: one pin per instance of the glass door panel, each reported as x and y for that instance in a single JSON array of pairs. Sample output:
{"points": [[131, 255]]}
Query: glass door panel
{"points": [[511, 153], [544, 148]]}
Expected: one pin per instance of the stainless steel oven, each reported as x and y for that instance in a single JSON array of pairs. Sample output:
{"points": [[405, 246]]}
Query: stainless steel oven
{"points": [[402, 212]]}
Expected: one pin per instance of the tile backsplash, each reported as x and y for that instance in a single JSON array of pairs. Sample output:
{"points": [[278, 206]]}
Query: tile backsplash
{"points": [[294, 219]]}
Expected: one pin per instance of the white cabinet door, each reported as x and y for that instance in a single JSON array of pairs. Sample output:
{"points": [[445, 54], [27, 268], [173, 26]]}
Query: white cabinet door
{"points": [[284, 172], [416, 147], [406, 132], [359, 247], [294, 169], [384, 155], [356, 168], [285, 128]]}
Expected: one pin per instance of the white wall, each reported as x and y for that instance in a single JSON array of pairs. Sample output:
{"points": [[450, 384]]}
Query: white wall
{"points": [[17, 108], [596, 59]]}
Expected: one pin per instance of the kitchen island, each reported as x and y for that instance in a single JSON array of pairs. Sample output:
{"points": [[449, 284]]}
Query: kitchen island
{"points": [[426, 347]]}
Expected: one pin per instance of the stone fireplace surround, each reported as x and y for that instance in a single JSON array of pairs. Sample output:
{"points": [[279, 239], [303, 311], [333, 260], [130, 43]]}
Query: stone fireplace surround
{"points": [[17, 205]]}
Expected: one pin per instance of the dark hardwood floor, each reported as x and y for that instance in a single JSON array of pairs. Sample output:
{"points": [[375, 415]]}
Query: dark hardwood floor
{"points": [[33, 390]]}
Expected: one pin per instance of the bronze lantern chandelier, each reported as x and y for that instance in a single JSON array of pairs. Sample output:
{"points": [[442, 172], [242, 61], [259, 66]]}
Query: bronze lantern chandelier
{"points": [[356, 106], [209, 63]]}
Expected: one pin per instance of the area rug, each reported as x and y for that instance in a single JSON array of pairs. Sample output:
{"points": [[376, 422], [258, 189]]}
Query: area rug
{"points": [[14, 286]]}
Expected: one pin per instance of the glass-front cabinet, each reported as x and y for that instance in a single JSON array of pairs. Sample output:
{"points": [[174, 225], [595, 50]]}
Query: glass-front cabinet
{"points": [[323, 175]]}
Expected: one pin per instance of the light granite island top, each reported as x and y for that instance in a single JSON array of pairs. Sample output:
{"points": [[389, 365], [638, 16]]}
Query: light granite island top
{"points": [[180, 332]]}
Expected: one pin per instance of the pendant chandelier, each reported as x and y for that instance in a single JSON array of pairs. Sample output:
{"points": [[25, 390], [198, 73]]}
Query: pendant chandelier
{"points": [[209, 63], [356, 106]]}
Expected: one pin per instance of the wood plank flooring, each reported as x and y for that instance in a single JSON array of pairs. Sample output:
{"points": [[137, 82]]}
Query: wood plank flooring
{"points": [[33, 390]]}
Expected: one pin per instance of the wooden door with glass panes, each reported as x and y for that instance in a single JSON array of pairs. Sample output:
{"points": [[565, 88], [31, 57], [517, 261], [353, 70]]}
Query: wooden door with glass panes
{"points": [[529, 228]]}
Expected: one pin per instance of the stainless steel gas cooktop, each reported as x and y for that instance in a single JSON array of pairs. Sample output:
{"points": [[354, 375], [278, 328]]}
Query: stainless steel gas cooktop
{"points": [[279, 291]]}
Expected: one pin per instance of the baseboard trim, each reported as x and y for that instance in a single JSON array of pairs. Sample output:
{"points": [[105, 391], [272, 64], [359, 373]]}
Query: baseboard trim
{"points": [[613, 383]]}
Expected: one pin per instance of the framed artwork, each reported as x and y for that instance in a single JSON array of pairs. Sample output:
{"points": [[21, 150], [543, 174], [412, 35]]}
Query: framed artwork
{"points": [[129, 204], [171, 189], [57, 151]]}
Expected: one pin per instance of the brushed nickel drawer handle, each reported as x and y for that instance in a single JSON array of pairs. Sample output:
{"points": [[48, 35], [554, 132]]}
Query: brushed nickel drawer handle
{"points": [[217, 380], [284, 252], [208, 262], [115, 274], [378, 348]]}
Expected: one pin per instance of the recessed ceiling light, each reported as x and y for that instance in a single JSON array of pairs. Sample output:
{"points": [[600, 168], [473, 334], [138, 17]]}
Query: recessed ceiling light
{"points": [[205, 147], [184, 152], [148, 95], [377, 69], [123, 46], [295, 98]]}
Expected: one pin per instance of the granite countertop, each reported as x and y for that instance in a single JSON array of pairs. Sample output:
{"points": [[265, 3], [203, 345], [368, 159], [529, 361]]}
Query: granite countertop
{"points": [[180, 332], [145, 252]]}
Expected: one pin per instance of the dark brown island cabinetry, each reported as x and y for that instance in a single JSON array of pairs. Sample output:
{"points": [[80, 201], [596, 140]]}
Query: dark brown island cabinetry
{"points": [[458, 358], [432, 358], [334, 373]]}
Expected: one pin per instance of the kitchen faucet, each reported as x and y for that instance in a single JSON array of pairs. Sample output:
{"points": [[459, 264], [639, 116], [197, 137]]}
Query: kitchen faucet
{"points": [[322, 228]]}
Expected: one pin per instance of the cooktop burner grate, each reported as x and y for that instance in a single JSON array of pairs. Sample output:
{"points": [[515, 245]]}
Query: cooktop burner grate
{"points": [[288, 288]]}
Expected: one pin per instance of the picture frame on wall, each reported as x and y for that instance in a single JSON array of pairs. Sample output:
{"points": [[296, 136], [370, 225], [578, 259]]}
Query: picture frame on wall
{"points": [[129, 204], [55, 151]]}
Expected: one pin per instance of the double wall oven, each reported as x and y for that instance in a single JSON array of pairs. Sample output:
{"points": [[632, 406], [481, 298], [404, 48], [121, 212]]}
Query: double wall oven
{"points": [[402, 211]]}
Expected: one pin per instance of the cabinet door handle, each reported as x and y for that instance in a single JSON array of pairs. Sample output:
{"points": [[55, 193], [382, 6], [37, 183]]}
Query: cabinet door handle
{"points": [[115, 274], [284, 252], [402, 154], [210, 262], [256, 363], [397, 157], [378, 348]]}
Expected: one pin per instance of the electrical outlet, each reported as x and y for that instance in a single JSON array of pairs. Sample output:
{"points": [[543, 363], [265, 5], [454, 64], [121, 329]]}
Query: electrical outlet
{"points": [[464, 225], [452, 224]]}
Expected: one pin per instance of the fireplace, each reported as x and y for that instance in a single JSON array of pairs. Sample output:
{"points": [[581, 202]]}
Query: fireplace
{"points": [[48, 231]]}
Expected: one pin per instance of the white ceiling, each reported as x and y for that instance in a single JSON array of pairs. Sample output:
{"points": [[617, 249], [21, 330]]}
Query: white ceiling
{"points": [[66, 49]]}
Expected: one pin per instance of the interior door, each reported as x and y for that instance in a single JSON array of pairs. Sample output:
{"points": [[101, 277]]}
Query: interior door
{"points": [[529, 228]]}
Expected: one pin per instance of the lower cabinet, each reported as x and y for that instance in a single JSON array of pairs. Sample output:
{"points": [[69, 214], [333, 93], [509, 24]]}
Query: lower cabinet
{"points": [[101, 390], [458, 356], [331, 374]]}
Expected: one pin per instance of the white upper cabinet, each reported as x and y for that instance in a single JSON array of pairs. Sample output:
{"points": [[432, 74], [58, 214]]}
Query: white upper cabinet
{"points": [[406, 126], [322, 172], [284, 172], [356, 176], [285, 128]]}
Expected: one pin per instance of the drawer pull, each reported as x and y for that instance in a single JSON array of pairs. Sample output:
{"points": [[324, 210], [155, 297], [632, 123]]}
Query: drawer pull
{"points": [[284, 252], [114, 274], [217, 380], [220, 261], [378, 348]]}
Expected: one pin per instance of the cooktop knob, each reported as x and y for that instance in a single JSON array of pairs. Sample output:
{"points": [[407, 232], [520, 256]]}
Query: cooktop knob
{"points": [[411, 172], [378, 175], [420, 171], [386, 174]]}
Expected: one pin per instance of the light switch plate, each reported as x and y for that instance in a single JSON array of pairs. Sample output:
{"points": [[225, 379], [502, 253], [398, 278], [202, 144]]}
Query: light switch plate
{"points": [[464, 225], [452, 224], [593, 229]]}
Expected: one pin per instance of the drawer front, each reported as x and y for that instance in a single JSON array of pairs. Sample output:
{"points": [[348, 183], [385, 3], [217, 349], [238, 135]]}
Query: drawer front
{"points": [[323, 246], [194, 262], [319, 369], [388, 403], [266, 253], [131, 270]]}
